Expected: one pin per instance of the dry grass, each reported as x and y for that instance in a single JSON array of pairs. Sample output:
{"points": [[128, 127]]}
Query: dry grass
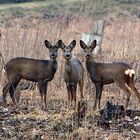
{"points": [[121, 43]]}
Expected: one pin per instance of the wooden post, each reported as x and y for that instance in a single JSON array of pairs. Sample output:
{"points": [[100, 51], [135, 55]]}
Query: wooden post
{"points": [[96, 34]]}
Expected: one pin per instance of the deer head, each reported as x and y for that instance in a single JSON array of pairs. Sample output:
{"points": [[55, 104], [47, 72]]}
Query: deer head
{"points": [[67, 50], [53, 49], [88, 49]]}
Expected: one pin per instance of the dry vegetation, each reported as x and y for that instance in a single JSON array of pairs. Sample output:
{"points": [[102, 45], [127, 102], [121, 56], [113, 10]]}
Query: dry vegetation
{"points": [[121, 43]]}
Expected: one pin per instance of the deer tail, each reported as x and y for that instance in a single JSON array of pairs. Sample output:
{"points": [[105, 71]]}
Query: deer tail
{"points": [[130, 72]]}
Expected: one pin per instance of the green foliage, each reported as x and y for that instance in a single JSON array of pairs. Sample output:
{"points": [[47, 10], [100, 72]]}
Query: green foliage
{"points": [[17, 1]]}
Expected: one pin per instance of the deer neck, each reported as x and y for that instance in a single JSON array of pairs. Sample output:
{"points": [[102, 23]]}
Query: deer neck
{"points": [[89, 63], [53, 65], [68, 66]]}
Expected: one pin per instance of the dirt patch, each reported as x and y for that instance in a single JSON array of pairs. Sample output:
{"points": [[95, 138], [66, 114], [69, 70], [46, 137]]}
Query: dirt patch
{"points": [[57, 123]]}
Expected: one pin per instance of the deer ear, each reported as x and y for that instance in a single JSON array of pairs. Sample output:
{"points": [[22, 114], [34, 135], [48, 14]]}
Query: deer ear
{"points": [[47, 44], [72, 44], [60, 44], [93, 44], [82, 44]]}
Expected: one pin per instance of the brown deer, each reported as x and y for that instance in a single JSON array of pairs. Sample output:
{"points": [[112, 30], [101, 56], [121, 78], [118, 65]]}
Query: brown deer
{"points": [[41, 71], [102, 73], [73, 72]]}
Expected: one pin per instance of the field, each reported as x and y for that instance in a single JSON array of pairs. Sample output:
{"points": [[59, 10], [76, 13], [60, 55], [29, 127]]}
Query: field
{"points": [[25, 35]]}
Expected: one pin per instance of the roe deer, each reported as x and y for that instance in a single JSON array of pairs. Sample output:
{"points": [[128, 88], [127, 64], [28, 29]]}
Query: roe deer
{"points": [[73, 72], [102, 73], [41, 71]]}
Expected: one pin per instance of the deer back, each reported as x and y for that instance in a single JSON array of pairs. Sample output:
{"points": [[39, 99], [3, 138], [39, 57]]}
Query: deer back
{"points": [[31, 69]]}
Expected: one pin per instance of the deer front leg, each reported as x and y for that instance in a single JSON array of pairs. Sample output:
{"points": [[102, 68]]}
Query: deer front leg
{"points": [[81, 84], [45, 93], [99, 89], [69, 95], [74, 89], [100, 95], [41, 88]]}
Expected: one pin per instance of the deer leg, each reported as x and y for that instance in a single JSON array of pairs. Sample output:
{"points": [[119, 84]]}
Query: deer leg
{"points": [[11, 85], [99, 89], [41, 88], [12, 89], [69, 95], [81, 84], [124, 87], [45, 93], [74, 95], [5, 91], [12, 92], [100, 95], [69, 98], [71, 92], [130, 83]]}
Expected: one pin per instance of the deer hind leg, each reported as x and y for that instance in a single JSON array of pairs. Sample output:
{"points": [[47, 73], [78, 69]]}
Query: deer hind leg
{"points": [[99, 88], [81, 85], [12, 91], [124, 87], [130, 83], [10, 87], [5, 91]]}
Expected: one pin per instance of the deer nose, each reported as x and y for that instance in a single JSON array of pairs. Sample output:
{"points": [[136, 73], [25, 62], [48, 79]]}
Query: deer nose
{"points": [[88, 56], [53, 55], [67, 55]]}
